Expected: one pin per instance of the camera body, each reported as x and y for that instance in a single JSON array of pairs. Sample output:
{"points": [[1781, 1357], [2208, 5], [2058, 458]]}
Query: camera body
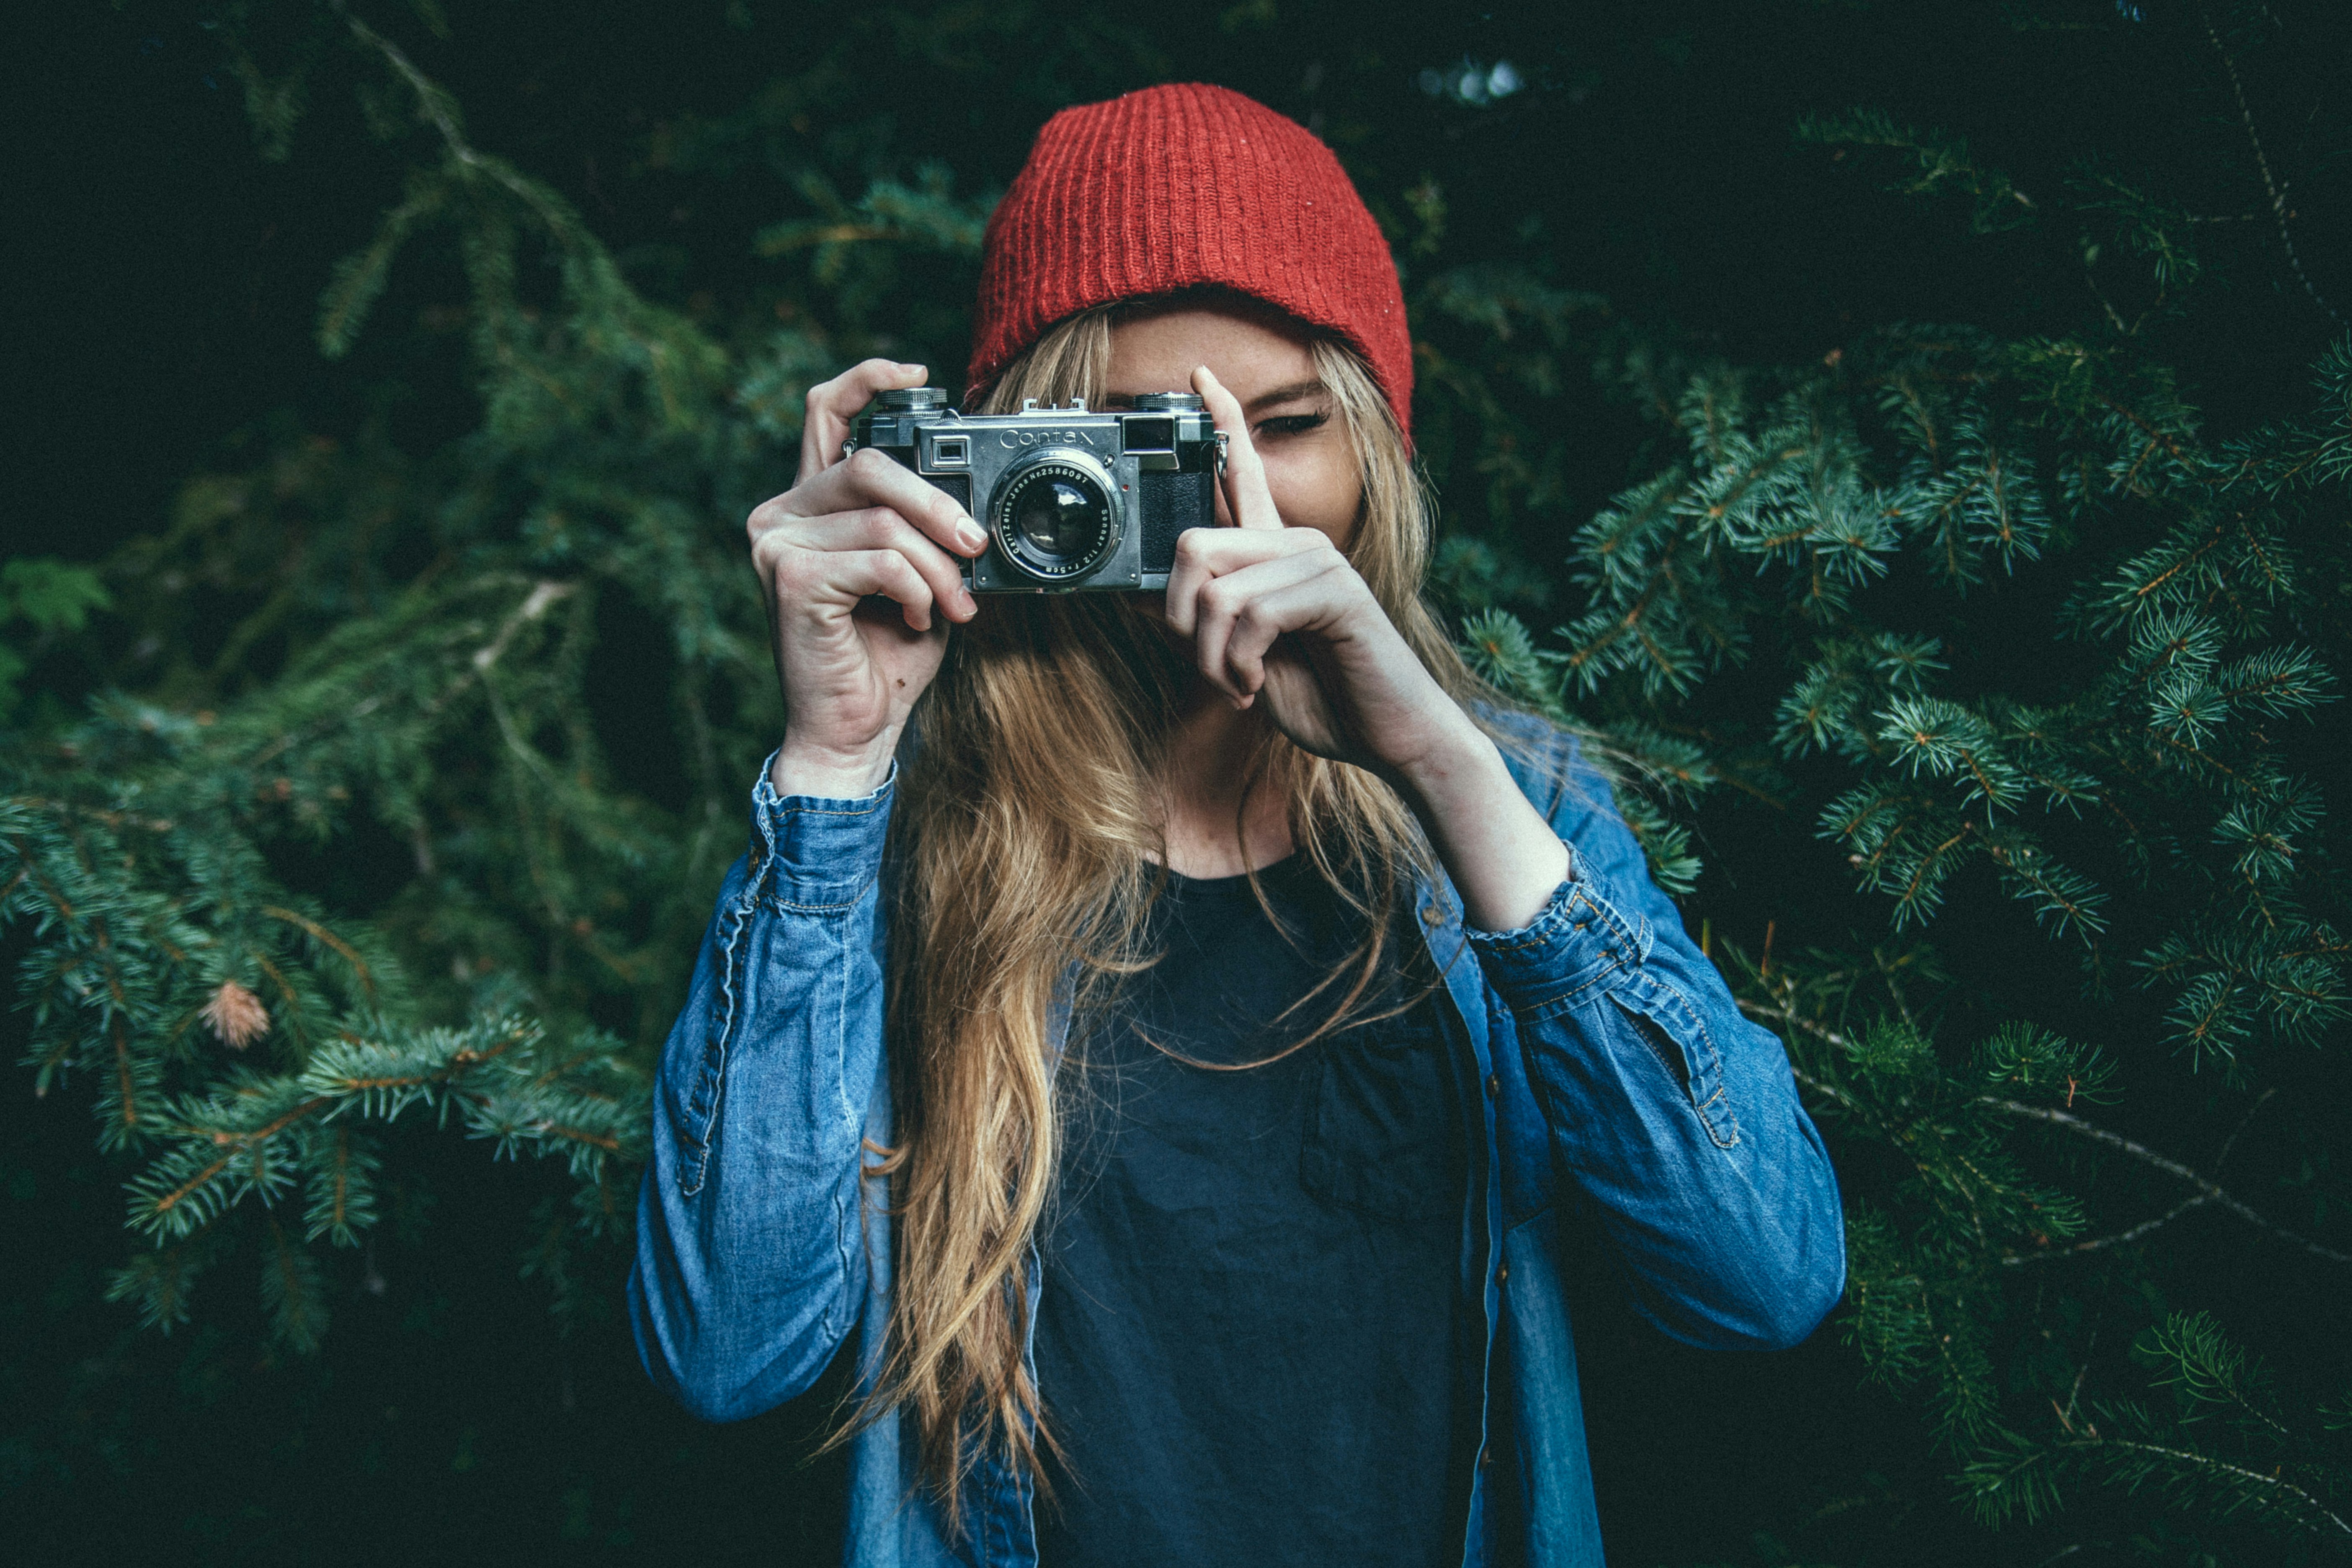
{"points": [[1071, 499]]}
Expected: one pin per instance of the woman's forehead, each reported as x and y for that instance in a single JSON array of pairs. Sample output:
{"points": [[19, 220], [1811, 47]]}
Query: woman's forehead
{"points": [[1251, 354]]}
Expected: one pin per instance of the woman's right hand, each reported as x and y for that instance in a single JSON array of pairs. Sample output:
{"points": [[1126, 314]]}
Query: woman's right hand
{"points": [[846, 537]]}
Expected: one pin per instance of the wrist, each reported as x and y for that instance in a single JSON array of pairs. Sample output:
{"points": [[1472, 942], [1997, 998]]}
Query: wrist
{"points": [[831, 772], [1503, 857], [1461, 764]]}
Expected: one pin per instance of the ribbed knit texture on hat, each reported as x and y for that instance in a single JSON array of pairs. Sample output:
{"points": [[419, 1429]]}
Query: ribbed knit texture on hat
{"points": [[1177, 187]]}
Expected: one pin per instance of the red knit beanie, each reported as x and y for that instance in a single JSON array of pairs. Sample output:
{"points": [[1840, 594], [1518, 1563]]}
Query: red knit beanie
{"points": [[1179, 187]]}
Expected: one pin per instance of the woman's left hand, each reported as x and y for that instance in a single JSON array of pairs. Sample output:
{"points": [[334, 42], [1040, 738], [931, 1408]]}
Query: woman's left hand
{"points": [[1278, 615]]}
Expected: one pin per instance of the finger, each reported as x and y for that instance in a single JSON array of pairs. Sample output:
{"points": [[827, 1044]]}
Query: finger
{"points": [[880, 528], [1204, 554], [831, 403], [1247, 499], [873, 479], [1312, 598], [824, 586], [857, 574], [1232, 601]]}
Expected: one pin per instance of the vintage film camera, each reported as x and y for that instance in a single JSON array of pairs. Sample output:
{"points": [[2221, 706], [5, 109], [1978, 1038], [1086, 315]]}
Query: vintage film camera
{"points": [[1071, 499]]}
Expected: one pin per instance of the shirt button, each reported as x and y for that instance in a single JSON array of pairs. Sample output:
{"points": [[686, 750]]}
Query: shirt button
{"points": [[1502, 1273], [1494, 1086], [1486, 1457], [1431, 915]]}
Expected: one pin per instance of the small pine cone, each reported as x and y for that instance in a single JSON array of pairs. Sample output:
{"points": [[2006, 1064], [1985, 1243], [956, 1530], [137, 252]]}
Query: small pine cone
{"points": [[237, 1015]]}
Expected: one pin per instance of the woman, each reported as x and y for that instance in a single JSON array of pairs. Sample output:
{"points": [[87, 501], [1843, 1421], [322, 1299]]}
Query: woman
{"points": [[1164, 1033]]}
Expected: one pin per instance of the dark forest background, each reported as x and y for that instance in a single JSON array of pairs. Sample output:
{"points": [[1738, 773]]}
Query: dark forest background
{"points": [[1619, 224]]}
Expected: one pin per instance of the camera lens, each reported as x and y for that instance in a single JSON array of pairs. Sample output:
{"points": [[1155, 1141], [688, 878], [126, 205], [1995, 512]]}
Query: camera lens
{"points": [[1055, 520]]}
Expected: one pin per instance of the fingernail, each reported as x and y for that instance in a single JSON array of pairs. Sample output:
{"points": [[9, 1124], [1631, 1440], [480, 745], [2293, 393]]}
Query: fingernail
{"points": [[969, 535], [970, 605]]}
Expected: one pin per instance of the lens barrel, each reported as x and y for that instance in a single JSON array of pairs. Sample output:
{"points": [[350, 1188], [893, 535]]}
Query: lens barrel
{"points": [[1054, 516]]}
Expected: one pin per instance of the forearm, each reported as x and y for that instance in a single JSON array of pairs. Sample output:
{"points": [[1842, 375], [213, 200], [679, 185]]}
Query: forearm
{"points": [[1504, 858], [746, 1278], [1677, 1117]]}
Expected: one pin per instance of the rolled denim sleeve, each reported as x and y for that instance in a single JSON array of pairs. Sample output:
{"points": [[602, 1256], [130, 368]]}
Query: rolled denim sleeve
{"points": [[1677, 1116], [750, 1260]]}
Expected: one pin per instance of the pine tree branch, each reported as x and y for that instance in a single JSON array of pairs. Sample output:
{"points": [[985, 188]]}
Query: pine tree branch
{"points": [[325, 938], [59, 807], [327, 723], [195, 1182], [2237, 1473], [2157, 441], [436, 107]]}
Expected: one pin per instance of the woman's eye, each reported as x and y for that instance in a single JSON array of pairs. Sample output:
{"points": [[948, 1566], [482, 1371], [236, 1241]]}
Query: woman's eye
{"points": [[1292, 425]]}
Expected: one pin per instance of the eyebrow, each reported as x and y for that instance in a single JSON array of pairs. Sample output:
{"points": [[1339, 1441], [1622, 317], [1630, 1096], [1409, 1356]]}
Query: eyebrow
{"points": [[1282, 395], [1279, 395]]}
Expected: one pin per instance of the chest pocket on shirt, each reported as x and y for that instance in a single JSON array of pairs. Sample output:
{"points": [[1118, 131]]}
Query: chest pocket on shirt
{"points": [[1380, 1133]]}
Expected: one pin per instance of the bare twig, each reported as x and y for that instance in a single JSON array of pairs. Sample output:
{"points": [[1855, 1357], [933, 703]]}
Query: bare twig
{"points": [[2209, 1191], [2074, 1395], [543, 593], [2263, 163], [1895, 989], [2125, 1237], [1820, 1031], [2101, 1243], [2222, 1156]]}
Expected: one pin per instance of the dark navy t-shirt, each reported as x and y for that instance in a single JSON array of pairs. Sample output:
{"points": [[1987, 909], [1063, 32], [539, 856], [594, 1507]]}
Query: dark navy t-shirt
{"points": [[1251, 1345]]}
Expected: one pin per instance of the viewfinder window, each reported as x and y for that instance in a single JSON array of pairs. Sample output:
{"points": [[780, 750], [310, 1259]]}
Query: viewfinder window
{"points": [[1150, 434]]}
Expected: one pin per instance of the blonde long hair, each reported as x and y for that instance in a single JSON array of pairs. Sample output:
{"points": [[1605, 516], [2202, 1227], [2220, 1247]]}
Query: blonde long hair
{"points": [[1027, 841]]}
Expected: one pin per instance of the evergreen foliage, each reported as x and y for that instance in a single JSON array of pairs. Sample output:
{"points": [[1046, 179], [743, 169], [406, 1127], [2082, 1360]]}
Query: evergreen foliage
{"points": [[2151, 802], [1992, 614]]}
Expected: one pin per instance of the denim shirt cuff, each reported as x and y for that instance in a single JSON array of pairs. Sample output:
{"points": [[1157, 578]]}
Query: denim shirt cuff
{"points": [[1578, 945], [815, 853]]}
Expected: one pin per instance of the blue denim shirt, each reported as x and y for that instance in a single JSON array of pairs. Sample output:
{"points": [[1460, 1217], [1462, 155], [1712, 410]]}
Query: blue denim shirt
{"points": [[1601, 1051]]}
